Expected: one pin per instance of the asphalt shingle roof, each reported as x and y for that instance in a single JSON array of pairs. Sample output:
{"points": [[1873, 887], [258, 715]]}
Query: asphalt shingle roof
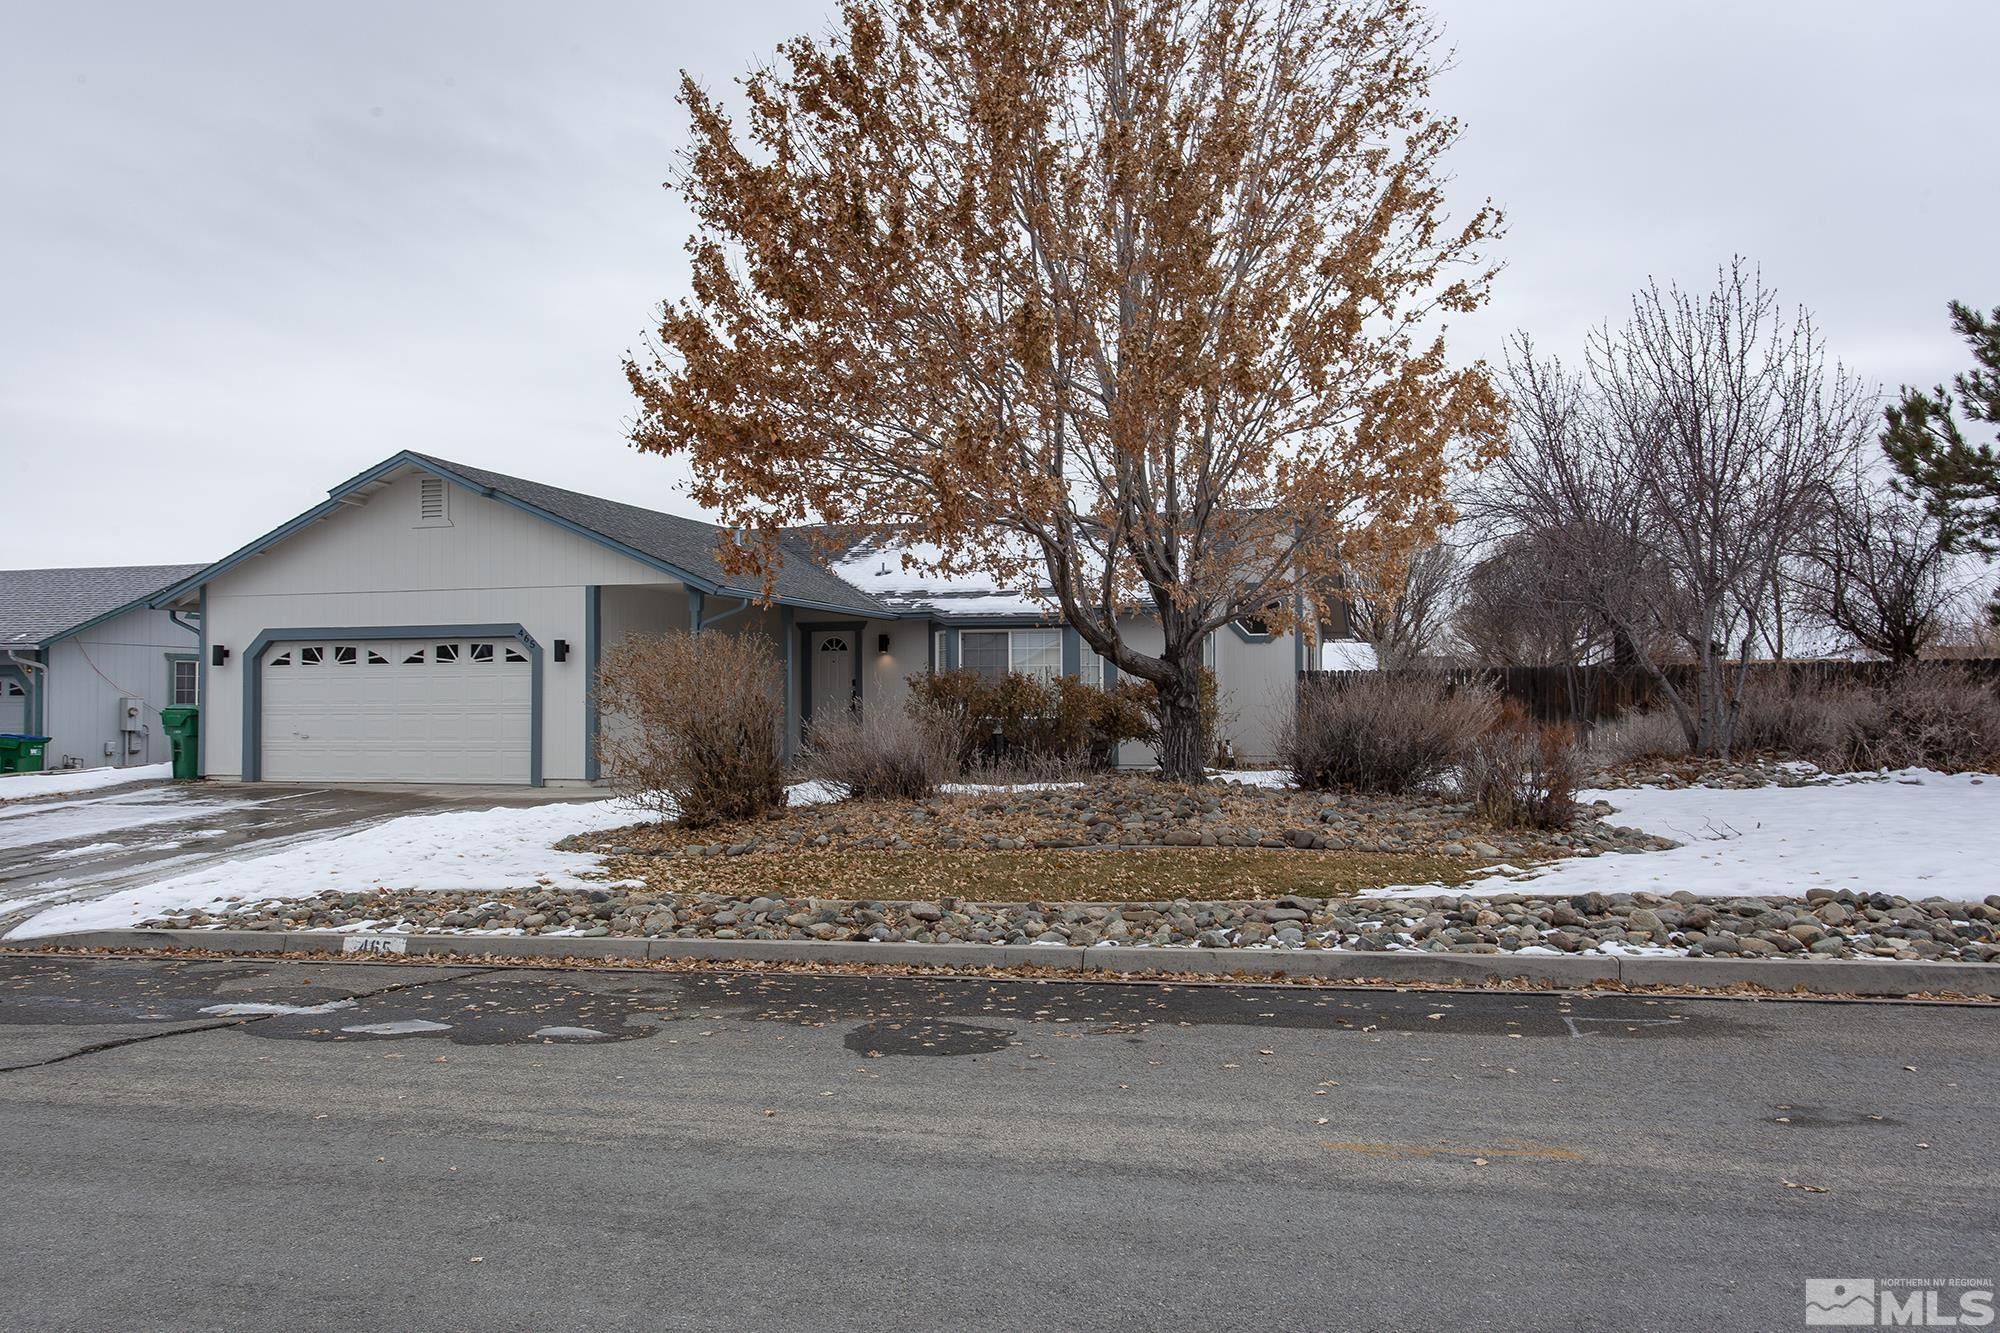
{"points": [[684, 543], [39, 604]]}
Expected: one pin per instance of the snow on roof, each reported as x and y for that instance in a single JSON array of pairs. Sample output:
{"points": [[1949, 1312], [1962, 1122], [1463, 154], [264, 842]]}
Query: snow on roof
{"points": [[875, 565]]}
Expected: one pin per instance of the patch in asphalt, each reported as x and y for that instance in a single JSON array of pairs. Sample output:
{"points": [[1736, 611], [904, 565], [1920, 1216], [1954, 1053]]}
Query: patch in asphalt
{"points": [[298, 1002], [927, 1037]]}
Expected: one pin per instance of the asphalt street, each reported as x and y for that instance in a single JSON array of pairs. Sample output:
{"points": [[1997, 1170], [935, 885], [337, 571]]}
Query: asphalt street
{"points": [[253, 1145]]}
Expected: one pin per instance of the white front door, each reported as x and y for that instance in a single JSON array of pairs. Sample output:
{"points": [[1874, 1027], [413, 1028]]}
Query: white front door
{"points": [[397, 710], [13, 707], [832, 673]]}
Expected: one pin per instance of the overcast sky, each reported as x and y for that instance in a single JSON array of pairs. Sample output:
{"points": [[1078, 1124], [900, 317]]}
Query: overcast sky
{"points": [[247, 250]]}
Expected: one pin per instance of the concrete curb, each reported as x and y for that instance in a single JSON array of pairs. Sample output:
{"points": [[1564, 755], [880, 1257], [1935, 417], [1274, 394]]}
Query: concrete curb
{"points": [[1813, 977]]}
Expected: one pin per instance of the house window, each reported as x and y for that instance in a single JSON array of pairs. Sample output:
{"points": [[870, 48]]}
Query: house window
{"points": [[433, 503], [513, 656], [184, 683], [993, 653], [376, 659], [833, 643], [937, 650], [482, 652], [446, 652], [312, 656], [416, 658], [282, 659], [11, 690], [345, 654]]}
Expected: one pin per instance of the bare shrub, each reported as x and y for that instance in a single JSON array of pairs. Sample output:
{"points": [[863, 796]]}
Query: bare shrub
{"points": [[885, 755], [1637, 735], [1028, 720], [1522, 773], [695, 725], [1936, 716], [1384, 733], [1026, 770]]}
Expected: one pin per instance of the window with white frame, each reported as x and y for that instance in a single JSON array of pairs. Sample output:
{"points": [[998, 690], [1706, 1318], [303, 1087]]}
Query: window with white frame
{"points": [[185, 683], [993, 653]]}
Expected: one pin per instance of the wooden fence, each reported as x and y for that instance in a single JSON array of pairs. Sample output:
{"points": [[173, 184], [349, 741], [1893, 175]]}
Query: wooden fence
{"points": [[1596, 693]]}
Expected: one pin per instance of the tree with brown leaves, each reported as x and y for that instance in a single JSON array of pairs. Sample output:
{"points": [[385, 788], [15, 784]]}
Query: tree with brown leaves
{"points": [[1138, 304]]}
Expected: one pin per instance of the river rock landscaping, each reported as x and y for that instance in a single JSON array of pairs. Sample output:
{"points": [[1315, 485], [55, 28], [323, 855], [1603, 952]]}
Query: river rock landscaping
{"points": [[1826, 924]]}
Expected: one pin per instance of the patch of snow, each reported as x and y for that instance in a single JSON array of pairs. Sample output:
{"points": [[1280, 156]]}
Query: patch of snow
{"points": [[1920, 835], [89, 849], [402, 1027], [1253, 777], [566, 1034], [251, 1010], [68, 781], [478, 850]]}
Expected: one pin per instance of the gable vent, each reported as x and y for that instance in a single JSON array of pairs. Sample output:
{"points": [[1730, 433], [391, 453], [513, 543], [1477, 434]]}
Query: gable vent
{"points": [[433, 503]]}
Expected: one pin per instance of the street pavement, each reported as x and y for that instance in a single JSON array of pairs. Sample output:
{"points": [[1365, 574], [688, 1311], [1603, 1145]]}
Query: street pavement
{"points": [[255, 1145]]}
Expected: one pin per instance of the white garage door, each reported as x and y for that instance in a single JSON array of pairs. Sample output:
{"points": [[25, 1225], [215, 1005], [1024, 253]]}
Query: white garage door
{"points": [[13, 707], [399, 710]]}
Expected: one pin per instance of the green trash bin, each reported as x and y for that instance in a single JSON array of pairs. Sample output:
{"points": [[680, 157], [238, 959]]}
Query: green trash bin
{"points": [[22, 754], [182, 723]]}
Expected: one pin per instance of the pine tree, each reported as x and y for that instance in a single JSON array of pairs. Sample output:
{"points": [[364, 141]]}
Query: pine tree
{"points": [[1959, 481]]}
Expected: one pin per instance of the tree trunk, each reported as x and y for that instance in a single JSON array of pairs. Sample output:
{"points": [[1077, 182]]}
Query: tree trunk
{"points": [[1183, 747]]}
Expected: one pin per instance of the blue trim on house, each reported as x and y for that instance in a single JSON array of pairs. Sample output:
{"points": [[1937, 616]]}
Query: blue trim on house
{"points": [[1248, 637], [793, 708], [136, 604], [951, 658], [201, 688], [593, 652], [696, 599], [253, 679], [1072, 652]]}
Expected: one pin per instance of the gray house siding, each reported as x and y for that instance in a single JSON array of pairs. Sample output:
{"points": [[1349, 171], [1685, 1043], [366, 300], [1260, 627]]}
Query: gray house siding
{"points": [[88, 673]]}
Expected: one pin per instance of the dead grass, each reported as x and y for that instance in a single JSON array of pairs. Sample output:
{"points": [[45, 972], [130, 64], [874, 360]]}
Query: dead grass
{"points": [[1122, 875]]}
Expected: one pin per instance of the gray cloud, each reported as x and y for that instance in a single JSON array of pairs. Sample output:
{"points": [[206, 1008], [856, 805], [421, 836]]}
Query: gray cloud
{"points": [[249, 249]]}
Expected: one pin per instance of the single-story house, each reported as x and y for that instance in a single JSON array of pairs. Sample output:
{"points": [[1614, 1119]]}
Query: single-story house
{"points": [[433, 622], [87, 661]]}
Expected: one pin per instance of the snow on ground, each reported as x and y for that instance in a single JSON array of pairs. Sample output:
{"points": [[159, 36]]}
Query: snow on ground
{"points": [[31, 823], [67, 782], [504, 848], [1919, 834]]}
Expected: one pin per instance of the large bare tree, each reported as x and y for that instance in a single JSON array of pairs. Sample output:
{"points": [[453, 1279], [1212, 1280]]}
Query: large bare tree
{"points": [[1878, 568], [1402, 606], [1128, 303], [1677, 476]]}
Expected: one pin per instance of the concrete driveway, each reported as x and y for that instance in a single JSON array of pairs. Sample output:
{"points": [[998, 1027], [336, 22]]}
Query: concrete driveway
{"points": [[68, 849]]}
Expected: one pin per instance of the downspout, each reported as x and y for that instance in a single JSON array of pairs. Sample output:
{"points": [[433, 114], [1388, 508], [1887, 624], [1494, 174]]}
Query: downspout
{"points": [[702, 623]]}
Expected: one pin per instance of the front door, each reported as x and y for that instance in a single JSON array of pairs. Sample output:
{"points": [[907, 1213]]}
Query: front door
{"points": [[833, 692]]}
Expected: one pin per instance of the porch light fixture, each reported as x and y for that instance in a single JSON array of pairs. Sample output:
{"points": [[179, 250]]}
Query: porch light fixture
{"points": [[882, 644], [562, 650], [217, 655]]}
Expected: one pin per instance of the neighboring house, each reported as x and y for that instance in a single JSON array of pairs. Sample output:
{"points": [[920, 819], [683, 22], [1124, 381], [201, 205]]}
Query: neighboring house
{"points": [[85, 661], [434, 622]]}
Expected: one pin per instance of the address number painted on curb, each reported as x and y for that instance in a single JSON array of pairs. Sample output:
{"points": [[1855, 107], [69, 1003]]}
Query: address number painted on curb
{"points": [[375, 944]]}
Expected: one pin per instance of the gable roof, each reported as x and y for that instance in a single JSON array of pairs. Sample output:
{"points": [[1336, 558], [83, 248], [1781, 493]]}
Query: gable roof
{"points": [[41, 605], [682, 547], [686, 544]]}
